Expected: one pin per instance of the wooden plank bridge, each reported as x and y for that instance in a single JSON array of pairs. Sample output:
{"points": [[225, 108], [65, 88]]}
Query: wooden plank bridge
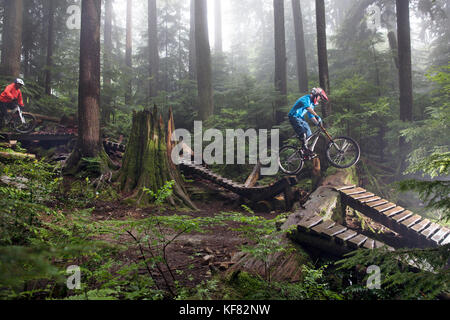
{"points": [[419, 232], [320, 234], [255, 193], [331, 237]]}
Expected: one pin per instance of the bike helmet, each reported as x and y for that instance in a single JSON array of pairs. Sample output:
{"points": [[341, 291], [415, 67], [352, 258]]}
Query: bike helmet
{"points": [[19, 81], [318, 92]]}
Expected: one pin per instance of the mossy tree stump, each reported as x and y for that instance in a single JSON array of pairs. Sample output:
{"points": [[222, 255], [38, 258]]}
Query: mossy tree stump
{"points": [[147, 162]]}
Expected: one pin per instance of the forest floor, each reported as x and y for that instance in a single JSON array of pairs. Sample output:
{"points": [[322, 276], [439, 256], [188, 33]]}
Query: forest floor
{"points": [[195, 257]]}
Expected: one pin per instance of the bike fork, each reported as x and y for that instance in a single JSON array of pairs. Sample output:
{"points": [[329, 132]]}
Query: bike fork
{"points": [[21, 116]]}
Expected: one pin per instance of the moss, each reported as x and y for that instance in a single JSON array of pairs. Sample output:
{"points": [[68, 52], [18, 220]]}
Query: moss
{"points": [[146, 163], [337, 214]]}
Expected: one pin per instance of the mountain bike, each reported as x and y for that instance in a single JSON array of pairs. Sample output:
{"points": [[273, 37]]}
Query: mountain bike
{"points": [[19, 121], [341, 152]]}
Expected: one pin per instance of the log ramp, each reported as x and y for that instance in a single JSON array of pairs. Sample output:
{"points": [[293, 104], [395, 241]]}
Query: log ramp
{"points": [[253, 193], [321, 235], [418, 231]]}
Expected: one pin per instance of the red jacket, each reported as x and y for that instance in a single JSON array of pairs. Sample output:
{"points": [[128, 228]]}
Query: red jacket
{"points": [[11, 93]]}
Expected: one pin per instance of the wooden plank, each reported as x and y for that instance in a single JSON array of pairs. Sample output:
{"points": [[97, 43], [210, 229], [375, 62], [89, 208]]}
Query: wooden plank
{"points": [[367, 200], [446, 240], [385, 207], [311, 222], [418, 227], [353, 191], [377, 203], [438, 236], [369, 244], [346, 235], [357, 241], [345, 187], [393, 211], [379, 244], [411, 221], [402, 216], [323, 226], [430, 230], [362, 195], [337, 229]]}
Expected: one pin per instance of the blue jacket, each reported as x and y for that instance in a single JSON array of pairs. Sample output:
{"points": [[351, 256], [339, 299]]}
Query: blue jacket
{"points": [[299, 108]]}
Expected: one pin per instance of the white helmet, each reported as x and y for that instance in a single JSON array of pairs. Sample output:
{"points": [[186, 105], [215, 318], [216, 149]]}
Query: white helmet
{"points": [[19, 81]]}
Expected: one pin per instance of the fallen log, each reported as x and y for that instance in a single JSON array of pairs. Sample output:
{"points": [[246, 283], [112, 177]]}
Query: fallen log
{"points": [[16, 155], [41, 117]]}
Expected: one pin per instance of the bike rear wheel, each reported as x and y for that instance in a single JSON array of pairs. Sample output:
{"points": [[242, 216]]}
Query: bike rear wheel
{"points": [[28, 126], [290, 160], [343, 152]]}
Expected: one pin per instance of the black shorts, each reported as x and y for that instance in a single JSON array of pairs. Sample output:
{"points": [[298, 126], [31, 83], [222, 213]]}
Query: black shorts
{"points": [[4, 106]]}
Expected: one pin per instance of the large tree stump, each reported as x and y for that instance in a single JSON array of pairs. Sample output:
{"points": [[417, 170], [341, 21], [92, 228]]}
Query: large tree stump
{"points": [[147, 163]]}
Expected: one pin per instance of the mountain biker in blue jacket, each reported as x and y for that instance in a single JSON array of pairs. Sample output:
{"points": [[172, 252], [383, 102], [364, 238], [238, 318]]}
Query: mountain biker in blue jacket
{"points": [[305, 106]]}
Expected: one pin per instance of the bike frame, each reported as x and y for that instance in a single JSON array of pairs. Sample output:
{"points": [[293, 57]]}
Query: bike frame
{"points": [[19, 112], [316, 136]]}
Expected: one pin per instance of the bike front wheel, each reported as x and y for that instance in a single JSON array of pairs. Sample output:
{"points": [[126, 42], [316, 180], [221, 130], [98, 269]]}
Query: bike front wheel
{"points": [[27, 126], [343, 152], [290, 160]]}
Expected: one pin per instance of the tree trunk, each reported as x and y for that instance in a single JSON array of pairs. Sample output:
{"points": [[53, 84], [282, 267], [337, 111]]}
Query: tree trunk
{"points": [[203, 54], [129, 52], [88, 144], [107, 61], [192, 53], [280, 55], [12, 38], [394, 47], [404, 60], [153, 48], [147, 162], [218, 26], [50, 40], [404, 71], [324, 79], [302, 71]]}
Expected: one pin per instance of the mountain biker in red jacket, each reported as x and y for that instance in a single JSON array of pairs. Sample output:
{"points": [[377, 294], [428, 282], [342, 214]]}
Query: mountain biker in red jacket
{"points": [[305, 106], [9, 97]]}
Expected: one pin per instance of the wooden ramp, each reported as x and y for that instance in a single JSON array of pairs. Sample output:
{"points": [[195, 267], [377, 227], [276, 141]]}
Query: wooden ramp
{"points": [[419, 232], [257, 193], [331, 237]]}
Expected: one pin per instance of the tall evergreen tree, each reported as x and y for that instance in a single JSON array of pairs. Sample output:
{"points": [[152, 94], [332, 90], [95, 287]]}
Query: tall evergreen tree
{"points": [[88, 144], [107, 61], [322, 53], [129, 52], [12, 38], [203, 55], [302, 70], [153, 48], [50, 44], [404, 71], [404, 60], [192, 54], [280, 55]]}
